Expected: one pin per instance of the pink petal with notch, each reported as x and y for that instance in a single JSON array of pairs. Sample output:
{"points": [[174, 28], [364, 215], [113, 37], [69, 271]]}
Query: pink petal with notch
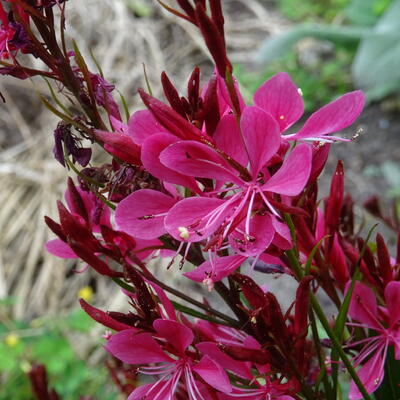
{"points": [[176, 334], [293, 175], [152, 148], [142, 213], [136, 348], [142, 124], [198, 160], [261, 137], [280, 97], [333, 117]]}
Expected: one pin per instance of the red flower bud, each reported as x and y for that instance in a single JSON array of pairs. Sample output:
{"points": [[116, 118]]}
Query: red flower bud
{"points": [[241, 353], [102, 317], [77, 204], [335, 199], [172, 95], [301, 308], [211, 106], [385, 267], [214, 40], [169, 118]]}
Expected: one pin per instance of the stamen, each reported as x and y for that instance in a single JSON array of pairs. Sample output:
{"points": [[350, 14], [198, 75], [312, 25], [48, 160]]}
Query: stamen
{"points": [[151, 216], [177, 252], [267, 203], [249, 210], [182, 262], [191, 385]]}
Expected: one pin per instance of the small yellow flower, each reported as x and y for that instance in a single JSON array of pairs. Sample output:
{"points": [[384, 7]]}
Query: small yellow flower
{"points": [[85, 293], [11, 340]]}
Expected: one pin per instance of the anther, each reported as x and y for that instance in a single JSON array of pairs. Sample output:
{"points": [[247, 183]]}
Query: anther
{"points": [[183, 232], [145, 217]]}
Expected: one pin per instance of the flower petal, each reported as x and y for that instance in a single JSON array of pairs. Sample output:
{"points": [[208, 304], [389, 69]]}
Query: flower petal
{"points": [[293, 175], [371, 375], [142, 213], [261, 136], [216, 270], [198, 160], [142, 124], [60, 249], [176, 334], [213, 374], [136, 348], [363, 306], [256, 239], [228, 138], [280, 97], [195, 218], [238, 367], [333, 117], [392, 297], [282, 238], [151, 150], [161, 390]]}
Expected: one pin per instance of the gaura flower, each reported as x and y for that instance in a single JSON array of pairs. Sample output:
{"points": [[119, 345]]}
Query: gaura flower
{"points": [[280, 98], [244, 213], [175, 363], [385, 322]]}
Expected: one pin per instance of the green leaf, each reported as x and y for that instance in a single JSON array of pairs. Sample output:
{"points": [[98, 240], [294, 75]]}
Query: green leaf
{"points": [[276, 46], [78, 321], [366, 12], [377, 61]]}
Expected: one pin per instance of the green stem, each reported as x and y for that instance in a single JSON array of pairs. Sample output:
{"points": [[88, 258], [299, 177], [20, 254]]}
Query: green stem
{"points": [[182, 296], [180, 307], [322, 373], [292, 255], [223, 291], [336, 344]]}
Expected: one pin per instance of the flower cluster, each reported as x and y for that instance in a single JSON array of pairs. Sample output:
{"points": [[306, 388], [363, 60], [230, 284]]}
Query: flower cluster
{"points": [[218, 185]]}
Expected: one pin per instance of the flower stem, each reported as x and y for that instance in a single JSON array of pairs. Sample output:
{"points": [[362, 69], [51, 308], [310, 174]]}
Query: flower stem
{"points": [[336, 344]]}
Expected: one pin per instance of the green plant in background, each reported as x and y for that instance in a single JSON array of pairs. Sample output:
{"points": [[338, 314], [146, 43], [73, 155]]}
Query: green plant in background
{"points": [[311, 10], [44, 341], [374, 28]]}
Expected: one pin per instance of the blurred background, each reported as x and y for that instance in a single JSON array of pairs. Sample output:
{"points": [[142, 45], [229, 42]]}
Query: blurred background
{"points": [[329, 47]]}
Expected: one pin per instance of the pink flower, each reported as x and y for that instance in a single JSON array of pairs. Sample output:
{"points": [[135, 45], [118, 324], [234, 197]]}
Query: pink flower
{"points": [[385, 322], [176, 364], [245, 215], [280, 98], [142, 213]]}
